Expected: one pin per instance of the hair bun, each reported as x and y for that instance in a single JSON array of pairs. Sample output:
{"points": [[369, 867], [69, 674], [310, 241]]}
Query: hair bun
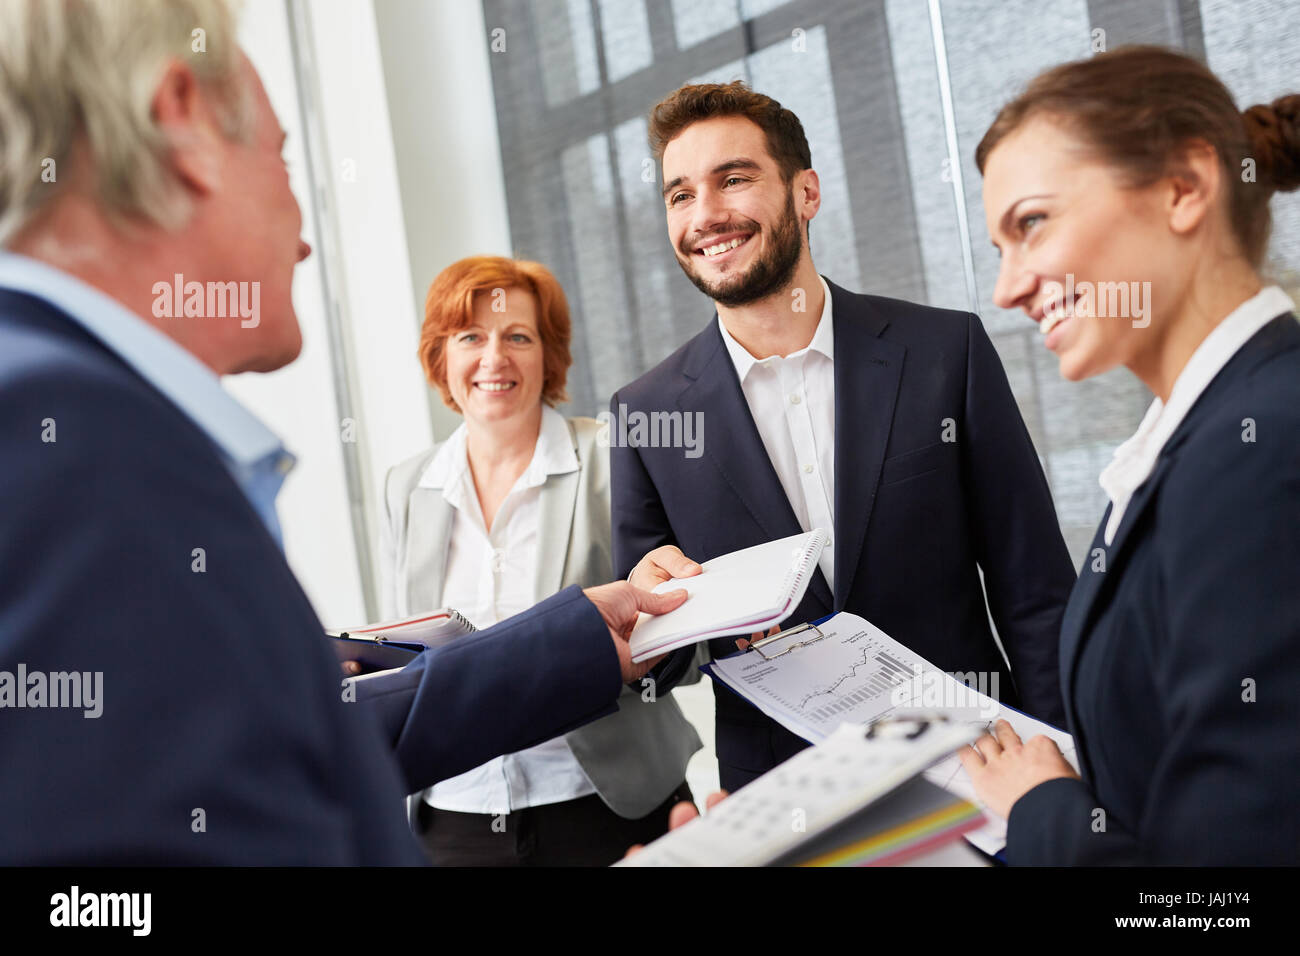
{"points": [[1274, 133]]}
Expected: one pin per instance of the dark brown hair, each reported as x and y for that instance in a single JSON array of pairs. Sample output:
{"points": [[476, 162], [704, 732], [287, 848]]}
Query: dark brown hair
{"points": [[1138, 106], [690, 104], [449, 307]]}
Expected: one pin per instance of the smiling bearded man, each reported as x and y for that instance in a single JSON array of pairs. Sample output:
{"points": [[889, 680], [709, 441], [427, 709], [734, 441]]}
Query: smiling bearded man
{"points": [[771, 273], [930, 480]]}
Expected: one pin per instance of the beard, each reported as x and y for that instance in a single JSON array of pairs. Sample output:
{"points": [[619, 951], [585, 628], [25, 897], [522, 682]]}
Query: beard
{"points": [[770, 274]]}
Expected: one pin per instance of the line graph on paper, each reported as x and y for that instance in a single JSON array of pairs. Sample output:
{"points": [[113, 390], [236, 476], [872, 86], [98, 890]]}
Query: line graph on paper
{"points": [[851, 676], [880, 674]]}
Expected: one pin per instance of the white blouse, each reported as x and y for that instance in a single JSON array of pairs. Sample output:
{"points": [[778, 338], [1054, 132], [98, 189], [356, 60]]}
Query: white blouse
{"points": [[1136, 458], [490, 576]]}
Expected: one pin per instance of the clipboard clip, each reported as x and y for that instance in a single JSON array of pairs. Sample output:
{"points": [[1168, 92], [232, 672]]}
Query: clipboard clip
{"points": [[780, 635], [896, 724]]}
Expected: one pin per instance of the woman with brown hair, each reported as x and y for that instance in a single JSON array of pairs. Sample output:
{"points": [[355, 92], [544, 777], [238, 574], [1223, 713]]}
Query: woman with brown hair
{"points": [[511, 508], [1129, 198]]}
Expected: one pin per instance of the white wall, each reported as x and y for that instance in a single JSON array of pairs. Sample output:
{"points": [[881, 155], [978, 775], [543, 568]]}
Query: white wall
{"points": [[443, 116], [359, 183], [362, 250], [297, 402]]}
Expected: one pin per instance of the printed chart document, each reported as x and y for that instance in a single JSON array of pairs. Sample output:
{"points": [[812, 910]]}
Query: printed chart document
{"points": [[737, 593], [847, 670], [831, 805]]}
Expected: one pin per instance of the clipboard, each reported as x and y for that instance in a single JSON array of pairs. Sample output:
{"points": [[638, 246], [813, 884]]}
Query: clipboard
{"points": [[849, 671], [810, 628], [391, 644], [373, 653], [707, 667]]}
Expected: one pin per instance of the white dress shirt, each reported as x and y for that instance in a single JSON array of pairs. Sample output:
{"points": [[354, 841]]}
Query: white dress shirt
{"points": [[491, 575], [1134, 460], [792, 400]]}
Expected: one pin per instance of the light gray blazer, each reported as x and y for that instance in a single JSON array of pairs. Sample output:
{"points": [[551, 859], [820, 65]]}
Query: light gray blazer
{"points": [[634, 758]]}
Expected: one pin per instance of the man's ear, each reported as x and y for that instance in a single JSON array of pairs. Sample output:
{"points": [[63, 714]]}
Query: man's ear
{"points": [[1194, 186], [808, 194], [186, 121]]}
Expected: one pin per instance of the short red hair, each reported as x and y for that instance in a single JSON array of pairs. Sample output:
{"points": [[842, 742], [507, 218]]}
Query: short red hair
{"points": [[449, 307]]}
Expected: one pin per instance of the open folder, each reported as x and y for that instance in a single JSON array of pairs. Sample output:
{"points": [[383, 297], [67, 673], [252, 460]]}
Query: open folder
{"points": [[856, 798], [735, 594]]}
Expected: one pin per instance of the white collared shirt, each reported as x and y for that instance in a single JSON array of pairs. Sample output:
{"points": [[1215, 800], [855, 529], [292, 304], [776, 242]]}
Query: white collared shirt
{"points": [[490, 576], [1136, 458], [792, 401]]}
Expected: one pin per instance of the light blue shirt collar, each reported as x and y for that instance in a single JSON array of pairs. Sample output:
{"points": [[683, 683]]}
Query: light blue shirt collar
{"points": [[255, 456]]}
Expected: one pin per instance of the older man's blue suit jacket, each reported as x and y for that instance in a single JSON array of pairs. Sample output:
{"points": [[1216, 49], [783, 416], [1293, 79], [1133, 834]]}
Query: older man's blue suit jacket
{"points": [[223, 737], [917, 517]]}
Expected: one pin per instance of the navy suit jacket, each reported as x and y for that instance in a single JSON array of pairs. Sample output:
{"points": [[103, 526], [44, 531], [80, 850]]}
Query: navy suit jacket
{"points": [[1180, 651], [917, 516], [224, 736]]}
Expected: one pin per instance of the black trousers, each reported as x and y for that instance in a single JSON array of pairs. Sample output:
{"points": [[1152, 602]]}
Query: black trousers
{"points": [[581, 832]]}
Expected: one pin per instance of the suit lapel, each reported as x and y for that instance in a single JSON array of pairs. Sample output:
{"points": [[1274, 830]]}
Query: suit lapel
{"points": [[558, 499], [1082, 597], [867, 374], [733, 444], [1100, 561], [429, 520], [1075, 625]]}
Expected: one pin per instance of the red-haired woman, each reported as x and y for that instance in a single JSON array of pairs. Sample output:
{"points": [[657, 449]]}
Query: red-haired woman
{"points": [[511, 508], [1130, 202]]}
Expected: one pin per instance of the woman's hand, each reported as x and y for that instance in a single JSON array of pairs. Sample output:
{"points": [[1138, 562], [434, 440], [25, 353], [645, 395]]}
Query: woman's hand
{"points": [[1004, 769], [682, 814]]}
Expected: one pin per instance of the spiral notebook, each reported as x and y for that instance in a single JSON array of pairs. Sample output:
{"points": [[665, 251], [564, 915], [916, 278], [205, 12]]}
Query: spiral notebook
{"points": [[735, 594], [393, 644]]}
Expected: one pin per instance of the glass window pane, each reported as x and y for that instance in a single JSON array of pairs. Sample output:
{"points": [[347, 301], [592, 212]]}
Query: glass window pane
{"points": [[626, 34], [1254, 47], [566, 44], [694, 21], [801, 81], [934, 197]]}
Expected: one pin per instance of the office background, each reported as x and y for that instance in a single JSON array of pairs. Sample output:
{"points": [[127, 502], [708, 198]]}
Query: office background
{"points": [[422, 131]]}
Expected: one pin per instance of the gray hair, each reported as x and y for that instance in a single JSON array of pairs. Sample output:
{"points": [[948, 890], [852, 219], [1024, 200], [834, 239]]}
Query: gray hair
{"points": [[70, 68]]}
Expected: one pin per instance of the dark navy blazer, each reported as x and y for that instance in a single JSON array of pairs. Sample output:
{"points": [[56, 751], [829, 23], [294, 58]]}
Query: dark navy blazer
{"points": [[917, 516], [223, 737], [1180, 651]]}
